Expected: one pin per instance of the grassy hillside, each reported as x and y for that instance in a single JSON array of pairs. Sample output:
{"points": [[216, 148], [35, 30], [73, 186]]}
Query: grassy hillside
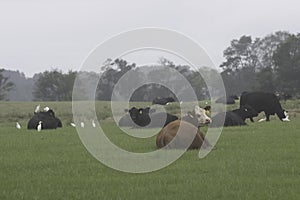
{"points": [[258, 161]]}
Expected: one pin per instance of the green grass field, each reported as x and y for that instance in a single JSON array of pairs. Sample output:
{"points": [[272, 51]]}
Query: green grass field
{"points": [[258, 161]]}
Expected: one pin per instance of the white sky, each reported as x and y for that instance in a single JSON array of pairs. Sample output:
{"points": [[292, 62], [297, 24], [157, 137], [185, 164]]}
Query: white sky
{"points": [[36, 35]]}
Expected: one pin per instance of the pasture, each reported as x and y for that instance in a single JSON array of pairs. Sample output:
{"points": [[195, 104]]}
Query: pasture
{"points": [[258, 161]]}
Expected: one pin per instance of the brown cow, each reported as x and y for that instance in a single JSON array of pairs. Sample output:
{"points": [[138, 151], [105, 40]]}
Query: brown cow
{"points": [[187, 132]]}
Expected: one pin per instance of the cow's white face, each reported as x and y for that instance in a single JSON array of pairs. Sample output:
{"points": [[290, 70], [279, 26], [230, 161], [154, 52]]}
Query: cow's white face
{"points": [[286, 119], [201, 116]]}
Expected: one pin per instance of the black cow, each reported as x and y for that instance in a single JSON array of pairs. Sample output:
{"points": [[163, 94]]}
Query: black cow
{"points": [[228, 100], [263, 101], [163, 101], [140, 116], [145, 117], [235, 117], [161, 119], [48, 119]]}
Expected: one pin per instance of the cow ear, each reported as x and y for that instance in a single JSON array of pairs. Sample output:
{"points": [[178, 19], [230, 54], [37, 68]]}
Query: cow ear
{"points": [[197, 109], [147, 110], [191, 114], [126, 110], [152, 110], [207, 108]]}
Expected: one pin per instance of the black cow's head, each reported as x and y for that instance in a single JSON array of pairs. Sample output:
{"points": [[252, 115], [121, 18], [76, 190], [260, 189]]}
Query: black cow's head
{"points": [[141, 116], [283, 115], [247, 111]]}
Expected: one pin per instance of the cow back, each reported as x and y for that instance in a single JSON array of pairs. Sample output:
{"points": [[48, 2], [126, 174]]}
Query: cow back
{"points": [[263, 101], [166, 137]]}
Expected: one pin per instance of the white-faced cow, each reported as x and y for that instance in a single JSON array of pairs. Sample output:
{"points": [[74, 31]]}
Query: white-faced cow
{"points": [[263, 102], [188, 132], [163, 101], [235, 117], [197, 116], [48, 119]]}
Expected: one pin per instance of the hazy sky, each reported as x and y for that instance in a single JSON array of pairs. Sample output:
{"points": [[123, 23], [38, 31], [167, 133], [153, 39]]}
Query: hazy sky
{"points": [[36, 35]]}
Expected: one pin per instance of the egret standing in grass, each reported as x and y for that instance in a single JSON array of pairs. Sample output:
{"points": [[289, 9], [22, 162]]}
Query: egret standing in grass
{"points": [[39, 127], [82, 124], [93, 124], [73, 124], [37, 108], [18, 126]]}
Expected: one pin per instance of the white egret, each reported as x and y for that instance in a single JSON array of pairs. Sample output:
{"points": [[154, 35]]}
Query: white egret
{"points": [[93, 124], [37, 108], [18, 126], [39, 127], [82, 124], [73, 124], [46, 109]]}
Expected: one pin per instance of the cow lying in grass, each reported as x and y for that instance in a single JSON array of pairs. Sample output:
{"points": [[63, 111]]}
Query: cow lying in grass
{"points": [[235, 117], [163, 101], [146, 117], [47, 119], [177, 134], [228, 100]]}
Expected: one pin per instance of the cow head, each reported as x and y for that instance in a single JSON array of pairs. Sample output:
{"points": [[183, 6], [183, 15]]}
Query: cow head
{"points": [[283, 115], [140, 116], [50, 112], [198, 117], [247, 111], [286, 119]]}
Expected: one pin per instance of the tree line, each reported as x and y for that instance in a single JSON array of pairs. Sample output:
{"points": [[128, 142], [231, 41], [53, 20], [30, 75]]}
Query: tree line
{"points": [[271, 63]]}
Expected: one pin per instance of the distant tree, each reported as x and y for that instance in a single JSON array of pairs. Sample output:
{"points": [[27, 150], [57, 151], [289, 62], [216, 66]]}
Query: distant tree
{"points": [[265, 48], [287, 65], [5, 85], [265, 80], [240, 64], [239, 55], [22, 90], [113, 71], [54, 86], [250, 65]]}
